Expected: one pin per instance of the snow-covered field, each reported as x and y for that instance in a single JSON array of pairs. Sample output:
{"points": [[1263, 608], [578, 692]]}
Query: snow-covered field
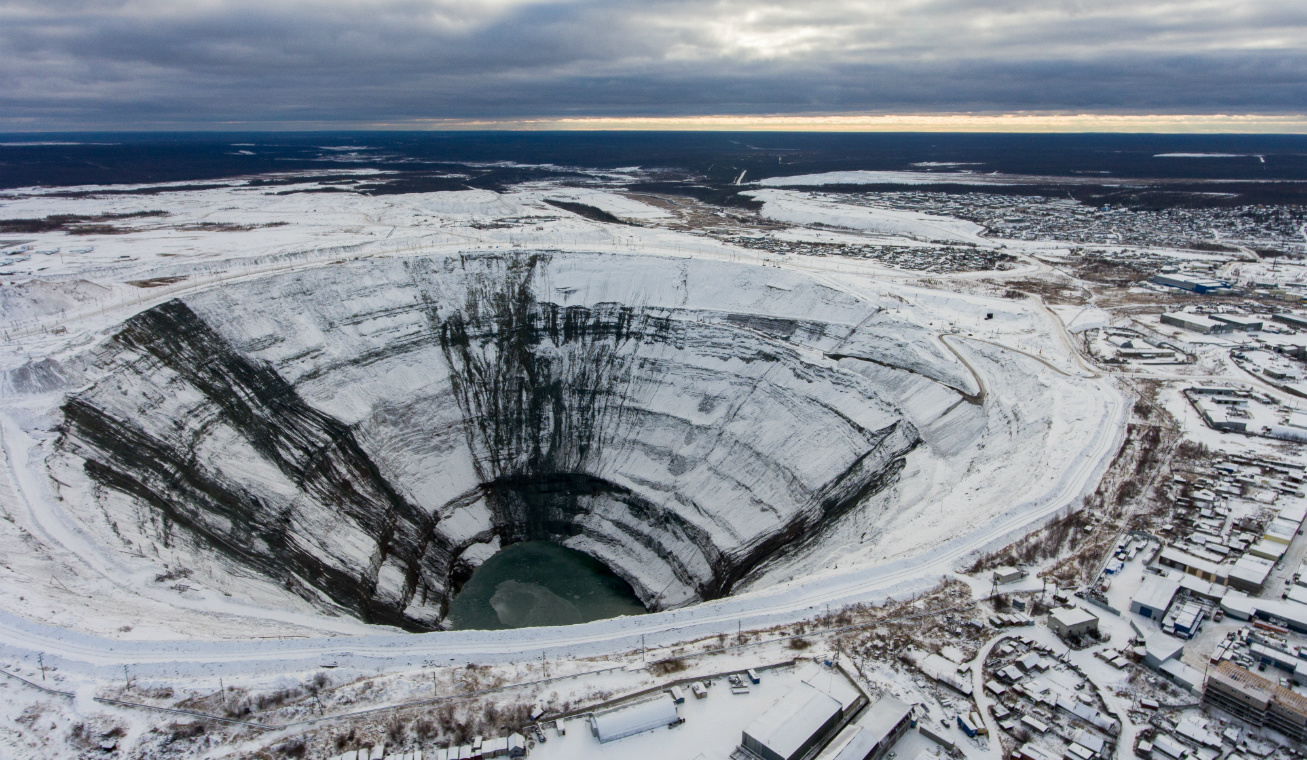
{"points": [[803, 208], [1026, 442], [882, 178]]}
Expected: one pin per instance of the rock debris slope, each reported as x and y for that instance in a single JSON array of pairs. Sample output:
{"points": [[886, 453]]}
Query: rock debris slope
{"points": [[367, 434]]}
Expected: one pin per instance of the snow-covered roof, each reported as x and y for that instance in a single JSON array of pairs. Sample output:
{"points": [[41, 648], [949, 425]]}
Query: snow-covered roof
{"points": [[1192, 562], [1161, 647], [1252, 570], [1156, 592], [633, 719], [1194, 319], [1201, 587], [834, 683], [1035, 752], [881, 718], [1072, 616], [793, 720], [1168, 746], [1186, 676], [1088, 740], [859, 740], [1239, 319]]}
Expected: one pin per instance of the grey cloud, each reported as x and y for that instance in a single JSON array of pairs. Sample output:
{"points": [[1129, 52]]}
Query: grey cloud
{"points": [[77, 64]]}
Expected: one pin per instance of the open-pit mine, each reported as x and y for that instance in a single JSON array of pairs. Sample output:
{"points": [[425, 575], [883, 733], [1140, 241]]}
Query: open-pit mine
{"points": [[363, 434]]}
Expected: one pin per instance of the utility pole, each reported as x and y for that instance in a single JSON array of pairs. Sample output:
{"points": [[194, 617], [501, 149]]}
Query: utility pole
{"points": [[40, 660]]}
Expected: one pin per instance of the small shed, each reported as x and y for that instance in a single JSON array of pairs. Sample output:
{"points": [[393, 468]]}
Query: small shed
{"points": [[1072, 621], [1008, 574]]}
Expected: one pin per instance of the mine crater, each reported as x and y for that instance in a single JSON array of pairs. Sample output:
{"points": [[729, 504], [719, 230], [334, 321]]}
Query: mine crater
{"points": [[368, 438]]}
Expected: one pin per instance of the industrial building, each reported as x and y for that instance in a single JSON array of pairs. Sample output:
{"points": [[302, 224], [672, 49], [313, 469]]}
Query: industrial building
{"points": [[833, 682], [1182, 560], [799, 721], [1160, 649], [871, 737], [1154, 597], [620, 722], [1239, 322], [1195, 323], [1293, 320], [1286, 614], [1256, 700], [1200, 285], [1249, 573], [1069, 622]]}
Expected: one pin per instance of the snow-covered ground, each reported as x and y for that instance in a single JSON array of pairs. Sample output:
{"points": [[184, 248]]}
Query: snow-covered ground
{"points": [[881, 178], [806, 208]]}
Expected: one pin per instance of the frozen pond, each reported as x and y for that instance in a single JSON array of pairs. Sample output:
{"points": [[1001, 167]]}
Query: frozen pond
{"points": [[537, 583]]}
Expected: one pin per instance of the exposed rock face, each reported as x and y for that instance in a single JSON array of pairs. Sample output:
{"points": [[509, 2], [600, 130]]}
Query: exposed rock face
{"points": [[366, 434]]}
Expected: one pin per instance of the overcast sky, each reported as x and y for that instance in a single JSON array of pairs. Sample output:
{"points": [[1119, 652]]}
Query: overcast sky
{"points": [[266, 63]]}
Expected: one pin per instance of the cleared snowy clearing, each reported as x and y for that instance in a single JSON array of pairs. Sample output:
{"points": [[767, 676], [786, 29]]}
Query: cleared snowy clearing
{"points": [[804, 208], [880, 178]]}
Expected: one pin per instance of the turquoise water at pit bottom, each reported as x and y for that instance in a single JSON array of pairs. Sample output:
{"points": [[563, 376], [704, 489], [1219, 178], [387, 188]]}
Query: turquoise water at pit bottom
{"points": [[538, 583]]}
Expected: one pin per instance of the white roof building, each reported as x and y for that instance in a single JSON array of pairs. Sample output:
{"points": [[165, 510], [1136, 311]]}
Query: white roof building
{"points": [[1249, 573], [792, 726], [871, 737], [1072, 621], [834, 683], [1194, 322], [1154, 596], [620, 722]]}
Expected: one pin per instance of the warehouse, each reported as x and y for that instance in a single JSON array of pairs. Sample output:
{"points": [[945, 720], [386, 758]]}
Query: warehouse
{"points": [[1249, 573], [1199, 285], [1291, 615], [621, 722], [1195, 323], [1239, 322], [1154, 597], [833, 682], [799, 721], [871, 738], [1292, 320], [1180, 560]]}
